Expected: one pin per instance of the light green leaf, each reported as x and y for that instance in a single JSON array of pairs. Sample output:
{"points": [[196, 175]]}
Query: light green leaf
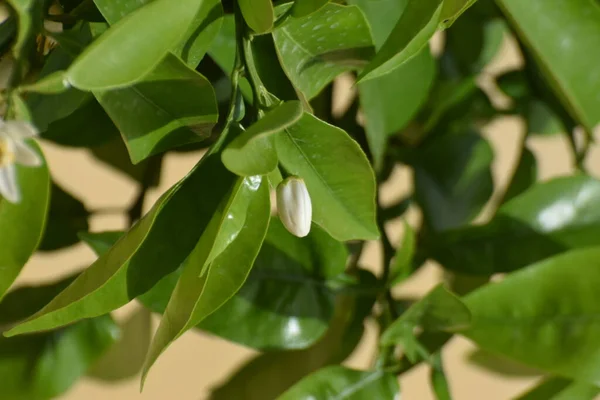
{"points": [[452, 9], [150, 250], [565, 56], [415, 27], [133, 46], [253, 152], [172, 106], [561, 389], [258, 14], [340, 183], [29, 17], [22, 225], [544, 315], [439, 382], [54, 83], [314, 50], [302, 8], [548, 219], [402, 265], [203, 288], [337, 382]]}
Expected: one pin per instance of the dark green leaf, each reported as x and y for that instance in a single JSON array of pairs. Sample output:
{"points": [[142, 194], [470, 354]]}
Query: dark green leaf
{"points": [[561, 389], [341, 183], [337, 382], [202, 289], [542, 120], [316, 49], [114, 153], [524, 176], [452, 9], [544, 315], [258, 14], [439, 382], [170, 107], [101, 242], [22, 224], [402, 265], [253, 152], [302, 8]]}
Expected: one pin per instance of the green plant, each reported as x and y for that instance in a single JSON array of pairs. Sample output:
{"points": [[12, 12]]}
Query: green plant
{"points": [[251, 83]]}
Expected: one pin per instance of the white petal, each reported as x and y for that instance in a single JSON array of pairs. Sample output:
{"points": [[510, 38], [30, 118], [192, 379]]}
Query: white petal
{"points": [[294, 206], [8, 184], [19, 130], [26, 156]]}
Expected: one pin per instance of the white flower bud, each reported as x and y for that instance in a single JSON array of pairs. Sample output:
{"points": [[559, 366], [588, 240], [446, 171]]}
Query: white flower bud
{"points": [[294, 206]]}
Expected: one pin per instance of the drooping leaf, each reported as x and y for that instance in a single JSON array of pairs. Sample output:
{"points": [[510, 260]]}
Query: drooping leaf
{"points": [[340, 183], [207, 283], [258, 14], [561, 389], [154, 247], [132, 47], [302, 8], [543, 315], [316, 49], [337, 382], [170, 107], [415, 27], [549, 218], [565, 56], [22, 224], [253, 152]]}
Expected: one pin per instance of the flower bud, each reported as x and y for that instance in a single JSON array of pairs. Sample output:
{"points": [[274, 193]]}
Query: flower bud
{"points": [[294, 206]]}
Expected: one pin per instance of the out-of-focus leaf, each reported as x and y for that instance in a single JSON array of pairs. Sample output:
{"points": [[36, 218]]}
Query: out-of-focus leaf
{"points": [[402, 264], [439, 382], [524, 176], [561, 389]]}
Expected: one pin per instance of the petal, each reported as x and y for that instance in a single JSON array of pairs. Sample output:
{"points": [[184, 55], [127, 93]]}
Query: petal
{"points": [[19, 130], [8, 184], [26, 156]]}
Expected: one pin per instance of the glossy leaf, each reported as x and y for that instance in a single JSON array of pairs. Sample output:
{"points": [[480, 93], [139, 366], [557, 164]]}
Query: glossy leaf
{"points": [[201, 289], [337, 382], [170, 107], [548, 219], [550, 324], [565, 56], [340, 183], [452, 9], [253, 152], [415, 27], [453, 179], [561, 389], [198, 37], [302, 8], [524, 176], [258, 14], [151, 249], [402, 265], [22, 224], [45, 365], [313, 51], [66, 217], [133, 46]]}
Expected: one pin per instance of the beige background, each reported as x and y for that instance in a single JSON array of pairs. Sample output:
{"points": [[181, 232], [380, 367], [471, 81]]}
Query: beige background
{"points": [[197, 362]]}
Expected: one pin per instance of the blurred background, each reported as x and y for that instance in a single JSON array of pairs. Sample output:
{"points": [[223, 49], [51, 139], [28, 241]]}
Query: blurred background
{"points": [[198, 363]]}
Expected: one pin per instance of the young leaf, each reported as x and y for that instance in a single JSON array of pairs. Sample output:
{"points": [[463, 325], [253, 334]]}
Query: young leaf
{"points": [[253, 152], [202, 289], [337, 382], [416, 26], [22, 224], [313, 51], [152, 249], [561, 389], [302, 8], [258, 14], [543, 315], [133, 46], [172, 106], [341, 183]]}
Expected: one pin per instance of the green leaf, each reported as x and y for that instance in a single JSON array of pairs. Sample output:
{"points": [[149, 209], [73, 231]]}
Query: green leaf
{"points": [[561, 389], [386, 111], [341, 183], [171, 106], [45, 365], [548, 219], [452, 9], [302, 8], [125, 358], [415, 27], [524, 176], [439, 310], [313, 51], [544, 315], [253, 152], [66, 217], [52, 84], [565, 56], [402, 265], [337, 382], [101, 242], [22, 224], [133, 46], [202, 289], [29, 18], [439, 382], [453, 179], [154, 247], [197, 39], [258, 14], [542, 120]]}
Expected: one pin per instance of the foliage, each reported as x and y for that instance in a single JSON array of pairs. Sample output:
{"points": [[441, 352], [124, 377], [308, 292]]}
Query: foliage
{"points": [[249, 83]]}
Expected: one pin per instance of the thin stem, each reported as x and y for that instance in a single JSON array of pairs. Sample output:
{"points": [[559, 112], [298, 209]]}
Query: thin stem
{"points": [[261, 95]]}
